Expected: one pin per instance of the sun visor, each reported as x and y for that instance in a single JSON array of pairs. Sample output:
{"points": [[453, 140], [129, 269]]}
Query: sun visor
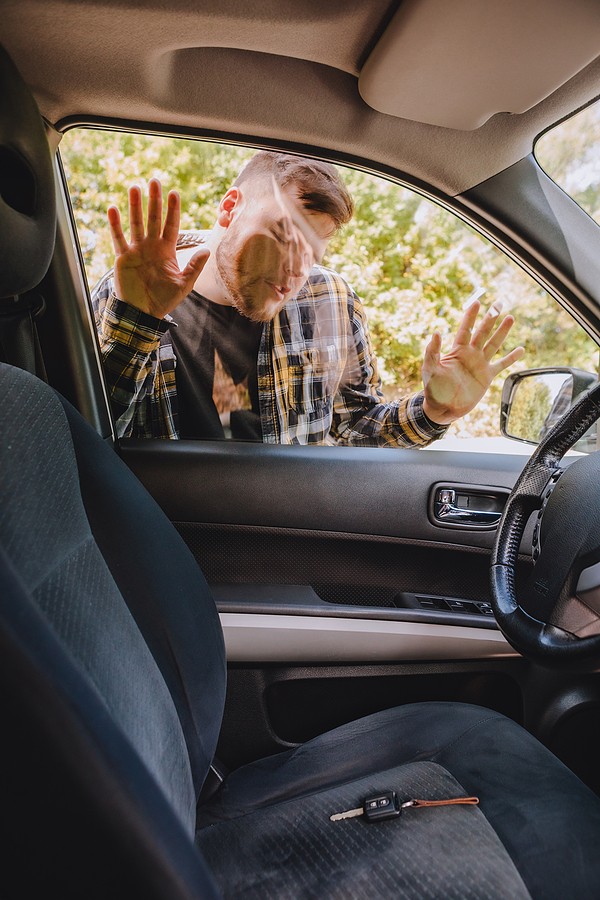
{"points": [[456, 63]]}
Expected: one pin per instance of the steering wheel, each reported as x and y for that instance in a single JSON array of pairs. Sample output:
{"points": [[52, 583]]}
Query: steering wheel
{"points": [[554, 616]]}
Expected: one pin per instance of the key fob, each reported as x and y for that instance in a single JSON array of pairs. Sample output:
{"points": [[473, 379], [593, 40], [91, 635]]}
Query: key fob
{"points": [[381, 806]]}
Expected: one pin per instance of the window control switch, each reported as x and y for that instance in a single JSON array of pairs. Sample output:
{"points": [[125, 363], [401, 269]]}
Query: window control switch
{"points": [[462, 606]]}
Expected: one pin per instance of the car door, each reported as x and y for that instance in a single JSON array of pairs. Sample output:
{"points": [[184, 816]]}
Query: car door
{"points": [[348, 579]]}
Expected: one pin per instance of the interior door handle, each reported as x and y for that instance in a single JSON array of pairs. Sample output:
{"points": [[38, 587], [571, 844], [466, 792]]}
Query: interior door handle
{"points": [[461, 505]]}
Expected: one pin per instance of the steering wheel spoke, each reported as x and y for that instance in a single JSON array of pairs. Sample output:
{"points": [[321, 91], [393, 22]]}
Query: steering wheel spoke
{"points": [[549, 582], [533, 482]]}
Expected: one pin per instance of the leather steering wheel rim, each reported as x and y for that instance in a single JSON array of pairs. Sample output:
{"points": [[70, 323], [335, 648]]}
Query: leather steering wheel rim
{"points": [[540, 485]]}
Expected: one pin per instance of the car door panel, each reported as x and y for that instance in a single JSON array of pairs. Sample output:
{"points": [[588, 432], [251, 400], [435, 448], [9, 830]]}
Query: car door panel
{"points": [[342, 529]]}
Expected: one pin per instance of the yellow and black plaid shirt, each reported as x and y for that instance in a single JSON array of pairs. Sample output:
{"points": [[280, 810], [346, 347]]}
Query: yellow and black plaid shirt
{"points": [[317, 374]]}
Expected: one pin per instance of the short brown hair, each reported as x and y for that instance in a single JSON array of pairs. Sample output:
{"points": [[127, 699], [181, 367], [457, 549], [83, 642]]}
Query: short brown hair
{"points": [[320, 187]]}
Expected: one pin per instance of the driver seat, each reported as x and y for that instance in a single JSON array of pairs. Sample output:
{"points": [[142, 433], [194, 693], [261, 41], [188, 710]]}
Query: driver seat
{"points": [[112, 668]]}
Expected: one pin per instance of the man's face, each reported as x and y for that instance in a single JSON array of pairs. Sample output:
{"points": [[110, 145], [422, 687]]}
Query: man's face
{"points": [[270, 246]]}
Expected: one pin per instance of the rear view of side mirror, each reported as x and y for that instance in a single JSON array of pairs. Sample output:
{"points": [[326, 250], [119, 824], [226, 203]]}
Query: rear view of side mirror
{"points": [[535, 399]]}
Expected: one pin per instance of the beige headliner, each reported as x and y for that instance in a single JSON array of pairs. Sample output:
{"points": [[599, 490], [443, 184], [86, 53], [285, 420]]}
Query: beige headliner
{"points": [[275, 69]]}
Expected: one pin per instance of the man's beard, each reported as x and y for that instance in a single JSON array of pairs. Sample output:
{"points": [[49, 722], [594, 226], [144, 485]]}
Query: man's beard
{"points": [[227, 262]]}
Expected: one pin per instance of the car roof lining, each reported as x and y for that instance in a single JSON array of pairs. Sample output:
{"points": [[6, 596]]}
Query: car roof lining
{"points": [[280, 71]]}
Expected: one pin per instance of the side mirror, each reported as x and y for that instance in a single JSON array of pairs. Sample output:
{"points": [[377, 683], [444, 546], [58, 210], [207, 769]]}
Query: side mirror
{"points": [[535, 399]]}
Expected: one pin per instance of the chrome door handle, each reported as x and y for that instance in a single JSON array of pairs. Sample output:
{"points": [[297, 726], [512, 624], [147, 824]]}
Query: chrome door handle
{"points": [[447, 512], [467, 506]]}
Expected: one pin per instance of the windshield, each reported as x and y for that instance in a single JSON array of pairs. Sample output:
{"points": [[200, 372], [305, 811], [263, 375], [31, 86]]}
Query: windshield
{"points": [[570, 155]]}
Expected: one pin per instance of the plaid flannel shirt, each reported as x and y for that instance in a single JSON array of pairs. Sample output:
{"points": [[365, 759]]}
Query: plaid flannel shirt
{"points": [[317, 374]]}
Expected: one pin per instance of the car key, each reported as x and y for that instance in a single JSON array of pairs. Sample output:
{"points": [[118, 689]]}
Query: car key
{"points": [[385, 806], [374, 809]]}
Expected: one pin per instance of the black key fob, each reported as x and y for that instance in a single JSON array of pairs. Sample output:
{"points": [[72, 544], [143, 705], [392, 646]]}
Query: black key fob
{"points": [[382, 806]]}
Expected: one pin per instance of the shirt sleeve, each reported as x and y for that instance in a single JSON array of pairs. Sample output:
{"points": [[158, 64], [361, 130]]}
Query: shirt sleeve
{"points": [[136, 375], [361, 415]]}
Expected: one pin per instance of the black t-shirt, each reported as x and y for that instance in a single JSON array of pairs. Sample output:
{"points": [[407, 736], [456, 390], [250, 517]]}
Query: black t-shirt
{"points": [[203, 328]]}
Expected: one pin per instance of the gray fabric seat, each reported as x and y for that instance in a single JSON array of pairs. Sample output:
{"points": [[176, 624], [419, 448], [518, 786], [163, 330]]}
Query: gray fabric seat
{"points": [[112, 669]]}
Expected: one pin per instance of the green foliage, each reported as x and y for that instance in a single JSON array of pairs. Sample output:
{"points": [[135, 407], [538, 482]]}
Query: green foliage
{"points": [[413, 263], [570, 154]]}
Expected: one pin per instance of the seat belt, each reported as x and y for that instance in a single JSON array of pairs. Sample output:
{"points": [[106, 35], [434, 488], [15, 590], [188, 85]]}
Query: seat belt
{"points": [[214, 780], [19, 339]]}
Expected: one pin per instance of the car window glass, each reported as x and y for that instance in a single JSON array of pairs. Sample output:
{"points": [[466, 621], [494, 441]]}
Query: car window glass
{"points": [[570, 154], [413, 264]]}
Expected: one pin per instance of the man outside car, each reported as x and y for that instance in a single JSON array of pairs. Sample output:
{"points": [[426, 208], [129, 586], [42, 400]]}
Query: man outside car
{"points": [[252, 297]]}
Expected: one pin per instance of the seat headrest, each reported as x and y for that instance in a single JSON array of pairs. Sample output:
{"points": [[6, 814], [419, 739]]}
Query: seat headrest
{"points": [[27, 192]]}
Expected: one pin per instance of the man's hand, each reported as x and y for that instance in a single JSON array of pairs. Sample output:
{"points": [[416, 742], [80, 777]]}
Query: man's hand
{"points": [[146, 271], [455, 383]]}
